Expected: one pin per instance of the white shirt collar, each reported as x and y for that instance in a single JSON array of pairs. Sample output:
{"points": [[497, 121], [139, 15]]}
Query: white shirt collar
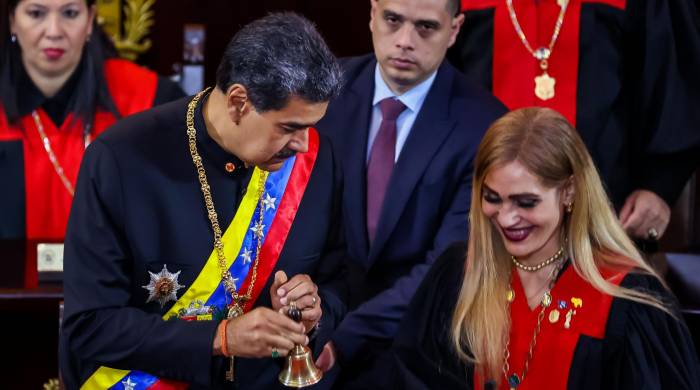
{"points": [[412, 99]]}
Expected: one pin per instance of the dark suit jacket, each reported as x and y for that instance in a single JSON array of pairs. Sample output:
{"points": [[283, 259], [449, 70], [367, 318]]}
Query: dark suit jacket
{"points": [[138, 206], [427, 200]]}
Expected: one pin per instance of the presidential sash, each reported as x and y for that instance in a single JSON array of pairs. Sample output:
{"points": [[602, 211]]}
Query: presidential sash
{"points": [[280, 201]]}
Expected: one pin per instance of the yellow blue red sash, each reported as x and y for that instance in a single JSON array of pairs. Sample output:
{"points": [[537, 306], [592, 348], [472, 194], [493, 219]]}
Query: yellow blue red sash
{"points": [[283, 192]]}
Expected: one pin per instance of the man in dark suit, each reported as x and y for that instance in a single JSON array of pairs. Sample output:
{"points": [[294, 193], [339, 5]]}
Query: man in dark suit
{"points": [[148, 299], [408, 126]]}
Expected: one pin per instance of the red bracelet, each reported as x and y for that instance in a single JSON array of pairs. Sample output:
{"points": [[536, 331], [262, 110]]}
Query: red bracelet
{"points": [[222, 333]]}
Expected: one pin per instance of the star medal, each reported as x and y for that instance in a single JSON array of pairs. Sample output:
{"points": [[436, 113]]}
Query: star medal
{"points": [[163, 286]]}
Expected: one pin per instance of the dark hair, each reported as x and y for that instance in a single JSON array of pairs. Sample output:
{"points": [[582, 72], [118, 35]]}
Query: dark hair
{"points": [[454, 7], [93, 90], [279, 56]]}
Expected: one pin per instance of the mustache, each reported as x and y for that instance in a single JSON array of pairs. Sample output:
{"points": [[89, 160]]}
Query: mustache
{"points": [[285, 154]]}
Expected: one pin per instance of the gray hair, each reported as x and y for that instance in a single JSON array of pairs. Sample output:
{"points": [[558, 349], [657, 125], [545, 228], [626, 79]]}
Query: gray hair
{"points": [[279, 56]]}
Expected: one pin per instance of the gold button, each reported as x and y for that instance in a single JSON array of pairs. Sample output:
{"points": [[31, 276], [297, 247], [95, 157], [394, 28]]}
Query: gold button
{"points": [[230, 167]]}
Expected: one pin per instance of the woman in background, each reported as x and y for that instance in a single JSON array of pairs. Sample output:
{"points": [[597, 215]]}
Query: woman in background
{"points": [[550, 292], [59, 88]]}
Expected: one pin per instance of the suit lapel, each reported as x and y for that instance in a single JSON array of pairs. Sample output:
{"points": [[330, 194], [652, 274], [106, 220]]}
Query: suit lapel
{"points": [[429, 131], [356, 109]]}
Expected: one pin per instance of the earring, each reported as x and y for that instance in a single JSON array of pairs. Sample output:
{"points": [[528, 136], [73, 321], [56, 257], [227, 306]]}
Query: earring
{"points": [[569, 207], [13, 38]]}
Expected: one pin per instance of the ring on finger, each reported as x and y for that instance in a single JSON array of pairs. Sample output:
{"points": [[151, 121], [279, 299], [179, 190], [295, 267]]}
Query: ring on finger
{"points": [[275, 353]]}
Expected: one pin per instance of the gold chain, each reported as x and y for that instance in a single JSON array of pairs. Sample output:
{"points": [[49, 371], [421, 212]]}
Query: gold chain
{"points": [[52, 156], [544, 304], [533, 268], [542, 54], [229, 284]]}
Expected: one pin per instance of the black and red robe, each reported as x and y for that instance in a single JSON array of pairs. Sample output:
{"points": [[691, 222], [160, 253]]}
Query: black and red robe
{"points": [[34, 203], [626, 76], [611, 343]]}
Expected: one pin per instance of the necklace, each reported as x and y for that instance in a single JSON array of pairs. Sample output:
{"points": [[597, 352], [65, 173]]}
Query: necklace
{"points": [[236, 307], [52, 156], [544, 83], [514, 380], [534, 268]]}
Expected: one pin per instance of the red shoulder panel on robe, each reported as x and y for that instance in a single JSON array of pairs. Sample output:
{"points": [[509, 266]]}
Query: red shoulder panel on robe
{"points": [[8, 133], [132, 87]]}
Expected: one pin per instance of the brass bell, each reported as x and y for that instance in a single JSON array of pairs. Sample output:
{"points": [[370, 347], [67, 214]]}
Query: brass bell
{"points": [[299, 370]]}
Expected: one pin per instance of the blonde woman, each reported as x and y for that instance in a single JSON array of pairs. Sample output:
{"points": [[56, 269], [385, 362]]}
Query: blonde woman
{"points": [[550, 292]]}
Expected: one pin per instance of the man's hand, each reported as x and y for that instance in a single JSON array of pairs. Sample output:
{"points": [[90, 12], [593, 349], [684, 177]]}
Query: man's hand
{"points": [[643, 214], [302, 291], [326, 360], [256, 333]]}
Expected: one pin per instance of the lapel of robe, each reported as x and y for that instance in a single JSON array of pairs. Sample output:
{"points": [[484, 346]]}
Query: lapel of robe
{"points": [[429, 131], [357, 108]]}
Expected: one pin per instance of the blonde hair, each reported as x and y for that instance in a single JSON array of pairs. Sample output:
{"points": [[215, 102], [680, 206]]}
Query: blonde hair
{"points": [[548, 146]]}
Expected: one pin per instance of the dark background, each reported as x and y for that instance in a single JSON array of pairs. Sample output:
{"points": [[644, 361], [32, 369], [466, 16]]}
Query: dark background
{"points": [[344, 25]]}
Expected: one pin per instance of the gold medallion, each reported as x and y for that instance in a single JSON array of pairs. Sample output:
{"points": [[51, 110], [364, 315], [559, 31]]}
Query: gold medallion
{"points": [[234, 311], [544, 86], [554, 316]]}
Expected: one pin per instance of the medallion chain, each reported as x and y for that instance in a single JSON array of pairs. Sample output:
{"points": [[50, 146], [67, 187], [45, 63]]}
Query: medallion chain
{"points": [[52, 156], [226, 277], [544, 83]]}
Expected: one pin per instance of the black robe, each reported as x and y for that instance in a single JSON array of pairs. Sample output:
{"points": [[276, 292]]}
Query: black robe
{"points": [[643, 347], [138, 208]]}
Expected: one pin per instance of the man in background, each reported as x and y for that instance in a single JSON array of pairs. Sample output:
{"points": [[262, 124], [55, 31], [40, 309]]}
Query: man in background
{"points": [[407, 126]]}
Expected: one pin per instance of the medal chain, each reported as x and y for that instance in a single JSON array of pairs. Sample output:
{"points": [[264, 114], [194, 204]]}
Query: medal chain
{"points": [[544, 55], [226, 277], [546, 302], [52, 156]]}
